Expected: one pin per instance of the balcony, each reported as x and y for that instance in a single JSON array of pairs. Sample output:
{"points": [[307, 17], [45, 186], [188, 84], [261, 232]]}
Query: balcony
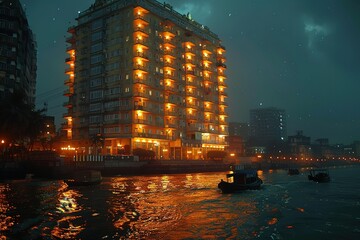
{"points": [[207, 68], [8, 54], [169, 76], [221, 65], [67, 104], [141, 67], [141, 30], [222, 122], [141, 18], [207, 59], [68, 92], [190, 51], [190, 72], [68, 82], [170, 88], [70, 48], [69, 71], [143, 56], [149, 135], [222, 83], [141, 94], [169, 64], [191, 117], [141, 80], [65, 126], [169, 51], [169, 42], [142, 121], [222, 102], [172, 113], [221, 72], [222, 93], [222, 112], [193, 128], [69, 60], [144, 42], [190, 61], [171, 125], [191, 83], [68, 114], [8, 40], [71, 39], [191, 94]]}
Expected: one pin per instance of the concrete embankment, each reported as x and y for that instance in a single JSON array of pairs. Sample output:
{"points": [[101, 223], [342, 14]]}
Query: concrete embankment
{"points": [[113, 168]]}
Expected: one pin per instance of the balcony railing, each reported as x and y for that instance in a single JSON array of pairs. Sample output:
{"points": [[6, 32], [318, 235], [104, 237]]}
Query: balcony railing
{"points": [[169, 76], [140, 29], [68, 92], [142, 41], [141, 17], [69, 70], [170, 88], [141, 67], [221, 65], [149, 135], [222, 83], [190, 72], [191, 94], [223, 93], [171, 113], [142, 121], [68, 82]]}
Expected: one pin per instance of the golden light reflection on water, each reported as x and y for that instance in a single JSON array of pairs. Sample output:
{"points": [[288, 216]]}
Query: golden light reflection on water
{"points": [[152, 207], [68, 225], [6, 222]]}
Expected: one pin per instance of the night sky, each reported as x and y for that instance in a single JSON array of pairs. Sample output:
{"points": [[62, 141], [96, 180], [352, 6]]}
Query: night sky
{"points": [[300, 55]]}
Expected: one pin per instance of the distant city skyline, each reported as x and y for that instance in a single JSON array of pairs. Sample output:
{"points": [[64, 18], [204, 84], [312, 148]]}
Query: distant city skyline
{"points": [[301, 56]]}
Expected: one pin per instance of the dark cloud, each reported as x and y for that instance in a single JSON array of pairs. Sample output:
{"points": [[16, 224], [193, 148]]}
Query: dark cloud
{"points": [[300, 55]]}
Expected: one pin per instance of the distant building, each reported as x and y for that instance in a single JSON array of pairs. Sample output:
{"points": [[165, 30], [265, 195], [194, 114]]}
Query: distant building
{"points": [[17, 52], [141, 75], [357, 148], [267, 126], [300, 145], [239, 129], [322, 149], [238, 136]]}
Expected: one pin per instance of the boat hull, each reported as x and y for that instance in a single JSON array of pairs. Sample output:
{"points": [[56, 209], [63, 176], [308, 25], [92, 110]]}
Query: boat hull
{"points": [[227, 187], [319, 179]]}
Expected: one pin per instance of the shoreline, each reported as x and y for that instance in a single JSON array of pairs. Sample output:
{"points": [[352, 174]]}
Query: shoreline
{"points": [[131, 168]]}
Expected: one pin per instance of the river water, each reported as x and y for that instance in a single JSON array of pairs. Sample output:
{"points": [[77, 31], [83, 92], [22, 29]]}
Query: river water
{"points": [[184, 206]]}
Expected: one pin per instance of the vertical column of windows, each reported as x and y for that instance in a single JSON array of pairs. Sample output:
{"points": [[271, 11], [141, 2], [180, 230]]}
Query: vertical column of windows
{"points": [[69, 82], [221, 67], [171, 81], [141, 91]]}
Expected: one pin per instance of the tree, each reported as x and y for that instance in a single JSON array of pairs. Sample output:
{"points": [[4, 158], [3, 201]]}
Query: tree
{"points": [[19, 123]]}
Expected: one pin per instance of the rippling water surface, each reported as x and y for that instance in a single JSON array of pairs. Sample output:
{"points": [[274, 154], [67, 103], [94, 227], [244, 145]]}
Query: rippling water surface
{"points": [[183, 206]]}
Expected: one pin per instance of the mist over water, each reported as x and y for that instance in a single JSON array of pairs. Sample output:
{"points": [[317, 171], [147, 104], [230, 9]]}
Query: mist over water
{"points": [[183, 206]]}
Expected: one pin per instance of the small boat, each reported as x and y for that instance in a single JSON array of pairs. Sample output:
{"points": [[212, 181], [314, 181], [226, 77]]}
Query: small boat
{"points": [[319, 175], [240, 180], [85, 178], [293, 171]]}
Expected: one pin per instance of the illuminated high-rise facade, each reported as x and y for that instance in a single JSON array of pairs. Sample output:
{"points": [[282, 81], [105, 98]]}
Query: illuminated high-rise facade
{"points": [[141, 75]]}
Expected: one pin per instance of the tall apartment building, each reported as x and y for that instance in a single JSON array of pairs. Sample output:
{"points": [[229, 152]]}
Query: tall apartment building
{"points": [[141, 75], [17, 52], [267, 125]]}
